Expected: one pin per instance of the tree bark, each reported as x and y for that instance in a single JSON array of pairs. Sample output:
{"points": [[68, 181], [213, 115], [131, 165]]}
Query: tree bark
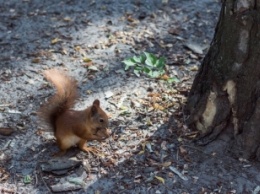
{"points": [[226, 89]]}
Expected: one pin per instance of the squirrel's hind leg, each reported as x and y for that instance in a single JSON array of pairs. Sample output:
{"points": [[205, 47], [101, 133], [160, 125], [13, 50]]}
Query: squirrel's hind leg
{"points": [[63, 148]]}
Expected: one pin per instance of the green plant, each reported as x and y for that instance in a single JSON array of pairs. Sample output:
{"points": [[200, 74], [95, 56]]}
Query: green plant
{"points": [[146, 63]]}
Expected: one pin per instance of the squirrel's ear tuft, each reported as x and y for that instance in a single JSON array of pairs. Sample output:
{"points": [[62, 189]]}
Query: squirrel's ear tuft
{"points": [[96, 103], [94, 109]]}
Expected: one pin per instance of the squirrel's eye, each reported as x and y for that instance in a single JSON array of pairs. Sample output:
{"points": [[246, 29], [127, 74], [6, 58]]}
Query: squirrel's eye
{"points": [[101, 120]]}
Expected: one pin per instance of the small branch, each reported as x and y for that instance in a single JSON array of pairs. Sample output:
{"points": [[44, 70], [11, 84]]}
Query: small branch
{"points": [[40, 173]]}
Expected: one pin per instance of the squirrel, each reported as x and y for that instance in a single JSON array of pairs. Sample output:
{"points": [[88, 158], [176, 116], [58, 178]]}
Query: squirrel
{"points": [[72, 127]]}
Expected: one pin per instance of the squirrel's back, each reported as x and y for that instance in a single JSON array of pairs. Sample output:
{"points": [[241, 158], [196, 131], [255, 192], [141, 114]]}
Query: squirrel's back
{"points": [[64, 98]]}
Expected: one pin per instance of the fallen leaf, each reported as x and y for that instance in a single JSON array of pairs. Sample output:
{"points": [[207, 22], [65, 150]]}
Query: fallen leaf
{"points": [[93, 68], [12, 111], [77, 181], [64, 51], [137, 180], [89, 91], [109, 94], [154, 95], [256, 190], [164, 1], [109, 163], [4, 175], [183, 151], [36, 60], [67, 19], [196, 48], [149, 146], [160, 179], [135, 104], [148, 121], [180, 139], [194, 68], [157, 106], [97, 192], [6, 131], [63, 187], [130, 19], [143, 148], [174, 31], [166, 164], [138, 176], [163, 145], [191, 135], [164, 77], [169, 45], [141, 152], [55, 40], [77, 48], [86, 60]]}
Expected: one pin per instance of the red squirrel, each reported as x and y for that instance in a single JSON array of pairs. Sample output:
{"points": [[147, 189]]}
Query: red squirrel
{"points": [[72, 127]]}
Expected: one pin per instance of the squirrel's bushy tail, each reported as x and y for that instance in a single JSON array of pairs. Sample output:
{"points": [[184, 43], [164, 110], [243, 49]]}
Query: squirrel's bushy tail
{"points": [[64, 98]]}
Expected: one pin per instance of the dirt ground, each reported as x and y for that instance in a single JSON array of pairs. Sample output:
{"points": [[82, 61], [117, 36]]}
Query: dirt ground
{"points": [[149, 150]]}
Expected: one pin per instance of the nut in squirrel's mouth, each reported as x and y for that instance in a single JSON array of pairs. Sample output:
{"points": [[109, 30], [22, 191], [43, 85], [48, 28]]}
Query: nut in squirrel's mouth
{"points": [[102, 138], [104, 135]]}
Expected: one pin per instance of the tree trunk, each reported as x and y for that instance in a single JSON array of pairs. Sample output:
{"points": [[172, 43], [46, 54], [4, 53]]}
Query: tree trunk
{"points": [[226, 89]]}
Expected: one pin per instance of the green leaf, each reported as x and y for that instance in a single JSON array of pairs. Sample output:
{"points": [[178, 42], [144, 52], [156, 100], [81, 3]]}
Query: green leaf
{"points": [[173, 80], [155, 74], [137, 72], [150, 59], [143, 58], [146, 70], [124, 113], [128, 63], [160, 63], [27, 179], [139, 68], [139, 59], [146, 63]]}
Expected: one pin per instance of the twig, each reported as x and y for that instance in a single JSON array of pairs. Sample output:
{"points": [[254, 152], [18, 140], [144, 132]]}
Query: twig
{"points": [[36, 178], [197, 149], [45, 184], [6, 145], [176, 171], [177, 155], [5, 105]]}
